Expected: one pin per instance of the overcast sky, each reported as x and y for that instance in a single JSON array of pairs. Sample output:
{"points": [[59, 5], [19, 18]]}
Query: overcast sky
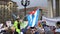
{"points": [[42, 3]]}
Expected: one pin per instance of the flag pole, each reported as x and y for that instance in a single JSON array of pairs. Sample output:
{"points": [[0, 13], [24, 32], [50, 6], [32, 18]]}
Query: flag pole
{"points": [[41, 14]]}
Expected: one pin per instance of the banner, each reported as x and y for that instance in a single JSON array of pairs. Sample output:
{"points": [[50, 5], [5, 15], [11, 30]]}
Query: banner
{"points": [[50, 21]]}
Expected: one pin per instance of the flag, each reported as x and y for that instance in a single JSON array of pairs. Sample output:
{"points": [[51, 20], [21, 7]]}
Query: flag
{"points": [[33, 18]]}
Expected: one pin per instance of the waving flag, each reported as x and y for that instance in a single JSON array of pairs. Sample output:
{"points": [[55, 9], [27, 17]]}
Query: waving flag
{"points": [[33, 18]]}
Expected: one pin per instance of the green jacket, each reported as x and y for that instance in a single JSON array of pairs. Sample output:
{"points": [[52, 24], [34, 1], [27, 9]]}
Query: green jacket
{"points": [[22, 25], [16, 27]]}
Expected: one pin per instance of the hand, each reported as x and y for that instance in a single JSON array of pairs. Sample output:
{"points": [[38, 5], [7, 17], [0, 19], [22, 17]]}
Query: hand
{"points": [[28, 27], [13, 28]]}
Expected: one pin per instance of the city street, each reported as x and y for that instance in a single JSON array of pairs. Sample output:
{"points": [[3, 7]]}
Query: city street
{"points": [[29, 16]]}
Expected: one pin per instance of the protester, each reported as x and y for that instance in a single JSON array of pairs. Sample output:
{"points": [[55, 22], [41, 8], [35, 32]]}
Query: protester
{"points": [[40, 28], [53, 29], [32, 30], [46, 28], [17, 26], [4, 28], [58, 27], [58, 24], [44, 23], [39, 24]]}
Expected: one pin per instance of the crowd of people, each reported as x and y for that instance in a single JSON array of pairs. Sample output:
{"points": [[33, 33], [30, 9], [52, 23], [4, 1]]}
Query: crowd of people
{"points": [[41, 28]]}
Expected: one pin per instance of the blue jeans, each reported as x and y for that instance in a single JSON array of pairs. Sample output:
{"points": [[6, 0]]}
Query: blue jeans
{"points": [[36, 32], [24, 30]]}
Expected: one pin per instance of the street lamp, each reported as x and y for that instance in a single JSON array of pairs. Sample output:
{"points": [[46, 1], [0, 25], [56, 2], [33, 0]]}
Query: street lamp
{"points": [[25, 3]]}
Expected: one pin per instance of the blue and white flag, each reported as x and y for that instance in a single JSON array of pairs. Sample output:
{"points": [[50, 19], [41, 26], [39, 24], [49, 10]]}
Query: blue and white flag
{"points": [[33, 18]]}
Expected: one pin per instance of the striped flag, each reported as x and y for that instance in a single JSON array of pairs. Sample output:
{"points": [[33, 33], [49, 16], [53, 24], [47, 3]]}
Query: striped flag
{"points": [[33, 18]]}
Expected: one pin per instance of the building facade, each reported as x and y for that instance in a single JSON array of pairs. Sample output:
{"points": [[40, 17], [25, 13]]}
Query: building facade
{"points": [[53, 8], [6, 9]]}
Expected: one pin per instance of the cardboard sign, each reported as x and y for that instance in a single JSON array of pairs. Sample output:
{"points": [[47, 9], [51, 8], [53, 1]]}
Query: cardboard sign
{"points": [[1, 25], [8, 23]]}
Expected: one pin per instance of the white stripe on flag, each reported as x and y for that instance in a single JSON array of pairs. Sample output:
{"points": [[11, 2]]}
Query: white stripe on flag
{"points": [[34, 19]]}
